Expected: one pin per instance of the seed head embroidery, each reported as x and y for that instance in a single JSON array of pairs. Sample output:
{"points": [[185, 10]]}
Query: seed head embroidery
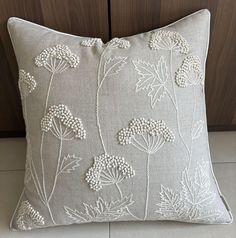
{"points": [[92, 42], [73, 125], [108, 170], [119, 43], [27, 83], [190, 72], [148, 136], [57, 59], [168, 40], [28, 217]]}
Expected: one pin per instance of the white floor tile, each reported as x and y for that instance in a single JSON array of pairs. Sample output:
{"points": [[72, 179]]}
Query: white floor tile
{"points": [[12, 153], [223, 146], [10, 188]]}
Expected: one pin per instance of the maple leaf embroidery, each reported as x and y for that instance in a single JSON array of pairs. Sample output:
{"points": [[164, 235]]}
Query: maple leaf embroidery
{"points": [[152, 78]]}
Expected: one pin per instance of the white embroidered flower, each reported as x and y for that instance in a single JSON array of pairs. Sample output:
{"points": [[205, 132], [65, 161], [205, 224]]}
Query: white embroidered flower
{"points": [[168, 40], [26, 83], [73, 125], [119, 43], [190, 72], [108, 170], [148, 135], [91, 42], [57, 59], [27, 217]]}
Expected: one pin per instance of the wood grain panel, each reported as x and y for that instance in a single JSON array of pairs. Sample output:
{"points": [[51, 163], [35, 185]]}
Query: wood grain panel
{"points": [[135, 16], [79, 17]]}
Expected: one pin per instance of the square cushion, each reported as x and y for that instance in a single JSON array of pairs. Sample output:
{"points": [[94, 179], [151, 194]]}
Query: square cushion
{"points": [[116, 131]]}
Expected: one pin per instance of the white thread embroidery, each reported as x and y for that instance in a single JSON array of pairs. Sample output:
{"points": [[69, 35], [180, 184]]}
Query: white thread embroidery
{"points": [[108, 170], [103, 211], [168, 40], [27, 217], [197, 129], [92, 42], [147, 136], [111, 67], [119, 43], [27, 83], [189, 204], [73, 125], [153, 78], [69, 164], [56, 60], [64, 126], [172, 41], [189, 73]]}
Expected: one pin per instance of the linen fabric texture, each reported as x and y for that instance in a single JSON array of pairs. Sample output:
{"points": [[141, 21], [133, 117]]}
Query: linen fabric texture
{"points": [[116, 131]]}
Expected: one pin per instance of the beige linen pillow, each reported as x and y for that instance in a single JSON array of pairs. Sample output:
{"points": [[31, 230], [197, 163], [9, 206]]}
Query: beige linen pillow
{"points": [[116, 131]]}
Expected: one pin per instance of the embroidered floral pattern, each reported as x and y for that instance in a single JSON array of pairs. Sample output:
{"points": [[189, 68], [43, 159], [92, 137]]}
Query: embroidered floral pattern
{"points": [[190, 72], [27, 217], [27, 83], [168, 40], [91, 42], [108, 170], [152, 78], [73, 125], [190, 203], [57, 59], [119, 43], [157, 133], [147, 135], [102, 212]]}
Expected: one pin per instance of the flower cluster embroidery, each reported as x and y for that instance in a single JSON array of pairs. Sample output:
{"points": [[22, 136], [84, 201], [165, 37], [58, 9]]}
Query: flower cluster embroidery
{"points": [[190, 72], [168, 40], [57, 59], [108, 170], [27, 83], [27, 217], [65, 117], [91, 42], [153, 128]]}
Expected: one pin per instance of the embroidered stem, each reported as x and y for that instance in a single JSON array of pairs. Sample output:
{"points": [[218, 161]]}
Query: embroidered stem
{"points": [[119, 190], [35, 178], [57, 170], [175, 104], [99, 85], [191, 131], [42, 137], [147, 186]]}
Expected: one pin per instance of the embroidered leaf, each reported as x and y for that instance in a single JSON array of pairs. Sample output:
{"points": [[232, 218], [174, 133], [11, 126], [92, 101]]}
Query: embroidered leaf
{"points": [[103, 211], [74, 215], [147, 72], [153, 78], [188, 187], [121, 204], [69, 163], [197, 129], [171, 204], [113, 65]]}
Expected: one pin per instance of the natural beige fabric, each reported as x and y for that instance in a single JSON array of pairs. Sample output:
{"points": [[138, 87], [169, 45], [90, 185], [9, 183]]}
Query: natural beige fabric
{"points": [[116, 131]]}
